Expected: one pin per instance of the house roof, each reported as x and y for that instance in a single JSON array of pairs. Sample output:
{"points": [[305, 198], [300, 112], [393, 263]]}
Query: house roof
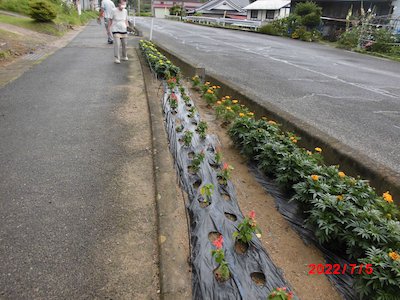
{"points": [[267, 5], [227, 5]]}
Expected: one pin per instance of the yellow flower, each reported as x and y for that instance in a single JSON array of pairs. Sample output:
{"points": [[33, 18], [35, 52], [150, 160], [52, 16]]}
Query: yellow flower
{"points": [[309, 152], [218, 87], [219, 102], [319, 150], [168, 62], [214, 86], [388, 198], [341, 174], [264, 118], [241, 115], [272, 122], [228, 97], [339, 197], [394, 255], [250, 114], [314, 177], [228, 108], [210, 91], [235, 101], [207, 83], [294, 141], [223, 100]]}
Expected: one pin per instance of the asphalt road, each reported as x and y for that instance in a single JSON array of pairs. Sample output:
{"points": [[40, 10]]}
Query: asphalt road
{"points": [[66, 218], [352, 97]]}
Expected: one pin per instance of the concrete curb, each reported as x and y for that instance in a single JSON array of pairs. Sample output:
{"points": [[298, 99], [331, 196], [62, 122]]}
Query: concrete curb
{"points": [[351, 161], [174, 280]]}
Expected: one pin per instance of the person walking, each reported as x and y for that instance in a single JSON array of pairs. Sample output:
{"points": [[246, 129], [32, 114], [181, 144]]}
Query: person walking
{"points": [[118, 25], [106, 9]]}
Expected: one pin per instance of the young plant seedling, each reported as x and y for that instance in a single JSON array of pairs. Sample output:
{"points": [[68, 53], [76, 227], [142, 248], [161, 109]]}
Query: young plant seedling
{"points": [[202, 129]]}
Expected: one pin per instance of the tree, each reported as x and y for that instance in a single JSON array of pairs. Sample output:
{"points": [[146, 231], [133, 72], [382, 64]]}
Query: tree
{"points": [[309, 13]]}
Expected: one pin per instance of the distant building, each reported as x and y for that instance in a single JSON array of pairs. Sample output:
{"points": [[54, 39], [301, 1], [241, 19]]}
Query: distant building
{"points": [[224, 8], [268, 10], [160, 8]]}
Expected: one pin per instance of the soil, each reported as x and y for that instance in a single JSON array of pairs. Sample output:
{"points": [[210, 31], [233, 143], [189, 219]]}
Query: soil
{"points": [[285, 247], [258, 278], [218, 276], [240, 247]]}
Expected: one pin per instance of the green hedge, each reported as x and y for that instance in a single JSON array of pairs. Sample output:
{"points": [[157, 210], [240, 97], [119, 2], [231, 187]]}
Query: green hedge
{"points": [[42, 10]]}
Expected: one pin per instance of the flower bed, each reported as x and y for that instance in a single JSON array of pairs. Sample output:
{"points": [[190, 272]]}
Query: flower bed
{"points": [[215, 217], [345, 213]]}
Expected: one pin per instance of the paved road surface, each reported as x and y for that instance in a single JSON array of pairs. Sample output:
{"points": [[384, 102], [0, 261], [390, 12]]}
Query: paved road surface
{"points": [[352, 97], [76, 220]]}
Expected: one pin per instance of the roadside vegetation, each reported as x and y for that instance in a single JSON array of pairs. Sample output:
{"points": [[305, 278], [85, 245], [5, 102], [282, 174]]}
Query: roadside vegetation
{"points": [[46, 16]]}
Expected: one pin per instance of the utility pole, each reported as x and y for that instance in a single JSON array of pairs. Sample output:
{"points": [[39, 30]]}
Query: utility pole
{"points": [[139, 8]]}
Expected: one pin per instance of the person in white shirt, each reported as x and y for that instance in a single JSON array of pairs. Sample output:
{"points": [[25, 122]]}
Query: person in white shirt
{"points": [[118, 25], [105, 10]]}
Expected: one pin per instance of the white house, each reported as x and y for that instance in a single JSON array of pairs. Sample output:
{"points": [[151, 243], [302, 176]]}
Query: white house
{"points": [[224, 8], [268, 10]]}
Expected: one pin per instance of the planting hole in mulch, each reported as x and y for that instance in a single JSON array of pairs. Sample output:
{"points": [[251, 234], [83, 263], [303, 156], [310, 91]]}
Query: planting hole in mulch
{"points": [[215, 166], [226, 197], [191, 170], [191, 154], [213, 236], [241, 247], [204, 204], [197, 183], [258, 278], [194, 122], [231, 217]]}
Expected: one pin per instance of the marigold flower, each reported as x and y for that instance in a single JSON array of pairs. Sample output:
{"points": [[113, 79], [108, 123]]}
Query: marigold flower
{"points": [[258, 235], [339, 197], [294, 141], [314, 177], [228, 97], [235, 101], [250, 114], [341, 174], [218, 87], [272, 122], [219, 242], [207, 83], [388, 198], [168, 62], [319, 150], [252, 214], [214, 86], [228, 108], [210, 91], [241, 115], [219, 102], [394, 255], [309, 152]]}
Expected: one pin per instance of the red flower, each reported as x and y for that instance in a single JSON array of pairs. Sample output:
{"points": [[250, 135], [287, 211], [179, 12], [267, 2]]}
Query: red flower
{"points": [[173, 96], [218, 242], [226, 166], [252, 214]]}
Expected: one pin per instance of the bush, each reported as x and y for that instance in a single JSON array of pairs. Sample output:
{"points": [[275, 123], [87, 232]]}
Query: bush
{"points": [[270, 29], [42, 10], [383, 40], [309, 13], [349, 39]]}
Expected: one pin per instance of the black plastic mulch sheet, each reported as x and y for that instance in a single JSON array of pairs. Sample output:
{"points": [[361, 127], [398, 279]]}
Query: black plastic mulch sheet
{"points": [[212, 218], [289, 210]]}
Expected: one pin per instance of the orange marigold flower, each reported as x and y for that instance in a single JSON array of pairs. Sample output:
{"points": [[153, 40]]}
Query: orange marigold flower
{"points": [[210, 91], [319, 150], [394, 255], [241, 115], [207, 83], [339, 197], [214, 86], [219, 102], [341, 174], [294, 141], [218, 87], [314, 177], [235, 101], [388, 198]]}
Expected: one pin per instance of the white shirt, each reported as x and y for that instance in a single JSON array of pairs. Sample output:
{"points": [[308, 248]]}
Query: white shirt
{"points": [[119, 18], [107, 6]]}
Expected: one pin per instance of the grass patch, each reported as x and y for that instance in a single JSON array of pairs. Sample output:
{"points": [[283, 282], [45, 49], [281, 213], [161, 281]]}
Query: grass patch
{"points": [[18, 6], [28, 23]]}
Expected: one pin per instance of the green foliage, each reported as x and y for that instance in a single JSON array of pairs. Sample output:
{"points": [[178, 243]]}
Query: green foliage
{"points": [[382, 41], [309, 13], [246, 229], [225, 174], [42, 10], [349, 39], [175, 10], [187, 138], [202, 129], [280, 294], [206, 191], [18, 6], [196, 161], [271, 29], [384, 282]]}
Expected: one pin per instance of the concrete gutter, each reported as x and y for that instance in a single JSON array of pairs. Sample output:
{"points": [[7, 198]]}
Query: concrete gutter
{"points": [[175, 281], [351, 161]]}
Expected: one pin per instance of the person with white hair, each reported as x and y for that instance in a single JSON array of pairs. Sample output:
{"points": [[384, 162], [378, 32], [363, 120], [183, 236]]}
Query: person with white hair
{"points": [[106, 9], [118, 25]]}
